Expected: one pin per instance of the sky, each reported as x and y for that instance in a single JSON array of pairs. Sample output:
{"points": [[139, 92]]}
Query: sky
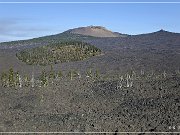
{"points": [[25, 21]]}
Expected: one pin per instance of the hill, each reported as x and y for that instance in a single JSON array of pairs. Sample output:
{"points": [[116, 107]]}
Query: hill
{"points": [[95, 31], [78, 34]]}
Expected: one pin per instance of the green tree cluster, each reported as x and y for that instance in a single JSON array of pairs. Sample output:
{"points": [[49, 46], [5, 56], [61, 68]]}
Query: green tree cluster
{"points": [[58, 52]]}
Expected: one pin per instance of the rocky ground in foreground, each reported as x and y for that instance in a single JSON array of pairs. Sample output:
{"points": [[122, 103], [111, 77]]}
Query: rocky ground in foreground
{"points": [[85, 105], [108, 104]]}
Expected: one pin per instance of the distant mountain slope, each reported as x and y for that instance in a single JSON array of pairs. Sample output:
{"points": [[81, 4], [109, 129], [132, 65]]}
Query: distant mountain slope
{"points": [[104, 38], [159, 40], [95, 31], [41, 41], [160, 33], [78, 34]]}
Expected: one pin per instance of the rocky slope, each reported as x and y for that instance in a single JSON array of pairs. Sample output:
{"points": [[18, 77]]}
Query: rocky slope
{"points": [[95, 31], [80, 104]]}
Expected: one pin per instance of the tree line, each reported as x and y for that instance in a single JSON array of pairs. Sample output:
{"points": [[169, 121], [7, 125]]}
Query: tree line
{"points": [[13, 78]]}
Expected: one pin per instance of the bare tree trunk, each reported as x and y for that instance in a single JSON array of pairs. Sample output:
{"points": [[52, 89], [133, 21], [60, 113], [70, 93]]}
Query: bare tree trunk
{"points": [[32, 81], [20, 81]]}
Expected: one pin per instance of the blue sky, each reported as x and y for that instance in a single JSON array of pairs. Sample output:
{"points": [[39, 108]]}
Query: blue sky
{"points": [[24, 21]]}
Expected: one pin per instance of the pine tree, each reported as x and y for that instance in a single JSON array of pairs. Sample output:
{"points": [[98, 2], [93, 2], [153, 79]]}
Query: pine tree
{"points": [[11, 77], [75, 73], [17, 79], [44, 79], [20, 81], [4, 79], [60, 74], [70, 74], [26, 80], [32, 80], [164, 74], [52, 73], [97, 74], [142, 72], [89, 73], [129, 81], [120, 82]]}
